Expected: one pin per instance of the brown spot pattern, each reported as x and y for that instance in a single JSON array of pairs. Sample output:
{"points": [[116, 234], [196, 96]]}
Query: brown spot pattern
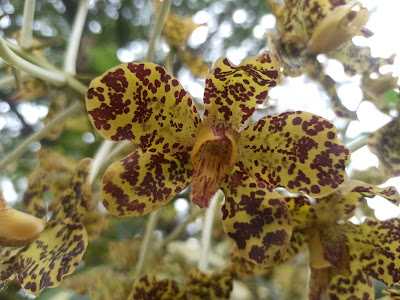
{"points": [[256, 218], [293, 150]]}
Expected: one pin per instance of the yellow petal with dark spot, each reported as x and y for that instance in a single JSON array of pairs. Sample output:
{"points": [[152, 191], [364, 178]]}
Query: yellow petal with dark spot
{"points": [[143, 182], [233, 92], [298, 150], [148, 287], [54, 254], [256, 218], [142, 103], [216, 286], [385, 144]]}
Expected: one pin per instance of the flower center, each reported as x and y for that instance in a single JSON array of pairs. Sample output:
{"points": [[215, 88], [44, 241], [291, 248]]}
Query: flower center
{"points": [[213, 157]]}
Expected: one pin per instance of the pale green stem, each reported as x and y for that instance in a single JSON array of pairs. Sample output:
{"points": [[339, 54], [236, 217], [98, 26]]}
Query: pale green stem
{"points": [[162, 15], [206, 233], [120, 147], [145, 247], [60, 119], [169, 61], [75, 38], [26, 31], [105, 147], [10, 80], [55, 78], [180, 228], [358, 143]]}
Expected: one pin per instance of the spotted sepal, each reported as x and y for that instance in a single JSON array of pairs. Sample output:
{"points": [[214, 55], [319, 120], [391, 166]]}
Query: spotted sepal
{"points": [[298, 243], [357, 286], [376, 245], [394, 294], [142, 103], [238, 266], [143, 182], [302, 213], [358, 60], [217, 285], [232, 92], [54, 254], [385, 144], [256, 218], [33, 198], [341, 204], [9, 263], [316, 71], [77, 198], [298, 150], [148, 287]]}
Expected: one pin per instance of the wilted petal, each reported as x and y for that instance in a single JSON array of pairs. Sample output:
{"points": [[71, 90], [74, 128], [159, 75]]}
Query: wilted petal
{"points": [[232, 92], [148, 287], [256, 218], [77, 198], [385, 143], [298, 150], [54, 254], [217, 285], [143, 182], [358, 60], [142, 103], [195, 63]]}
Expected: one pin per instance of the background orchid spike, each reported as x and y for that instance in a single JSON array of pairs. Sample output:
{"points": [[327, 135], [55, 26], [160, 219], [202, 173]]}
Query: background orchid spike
{"points": [[344, 256]]}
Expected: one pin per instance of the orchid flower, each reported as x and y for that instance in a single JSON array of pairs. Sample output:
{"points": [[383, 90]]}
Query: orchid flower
{"points": [[142, 103]]}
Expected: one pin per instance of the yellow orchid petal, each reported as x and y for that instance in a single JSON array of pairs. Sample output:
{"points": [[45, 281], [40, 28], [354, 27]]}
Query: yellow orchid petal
{"points": [[357, 286], [385, 144], [213, 157], [9, 263], [341, 204], [216, 286], [316, 71], [242, 267], [358, 60], [54, 254], [232, 92], [376, 245], [394, 294], [256, 218], [298, 243], [142, 103], [195, 63], [33, 198], [301, 212], [340, 25], [77, 198], [143, 182], [148, 287], [299, 151]]}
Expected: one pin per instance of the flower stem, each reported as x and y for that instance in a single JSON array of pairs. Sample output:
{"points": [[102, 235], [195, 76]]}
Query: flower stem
{"points": [[145, 247], [180, 228], [26, 31], [206, 234], [60, 119], [162, 15], [75, 38], [100, 156], [53, 77], [358, 143]]}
